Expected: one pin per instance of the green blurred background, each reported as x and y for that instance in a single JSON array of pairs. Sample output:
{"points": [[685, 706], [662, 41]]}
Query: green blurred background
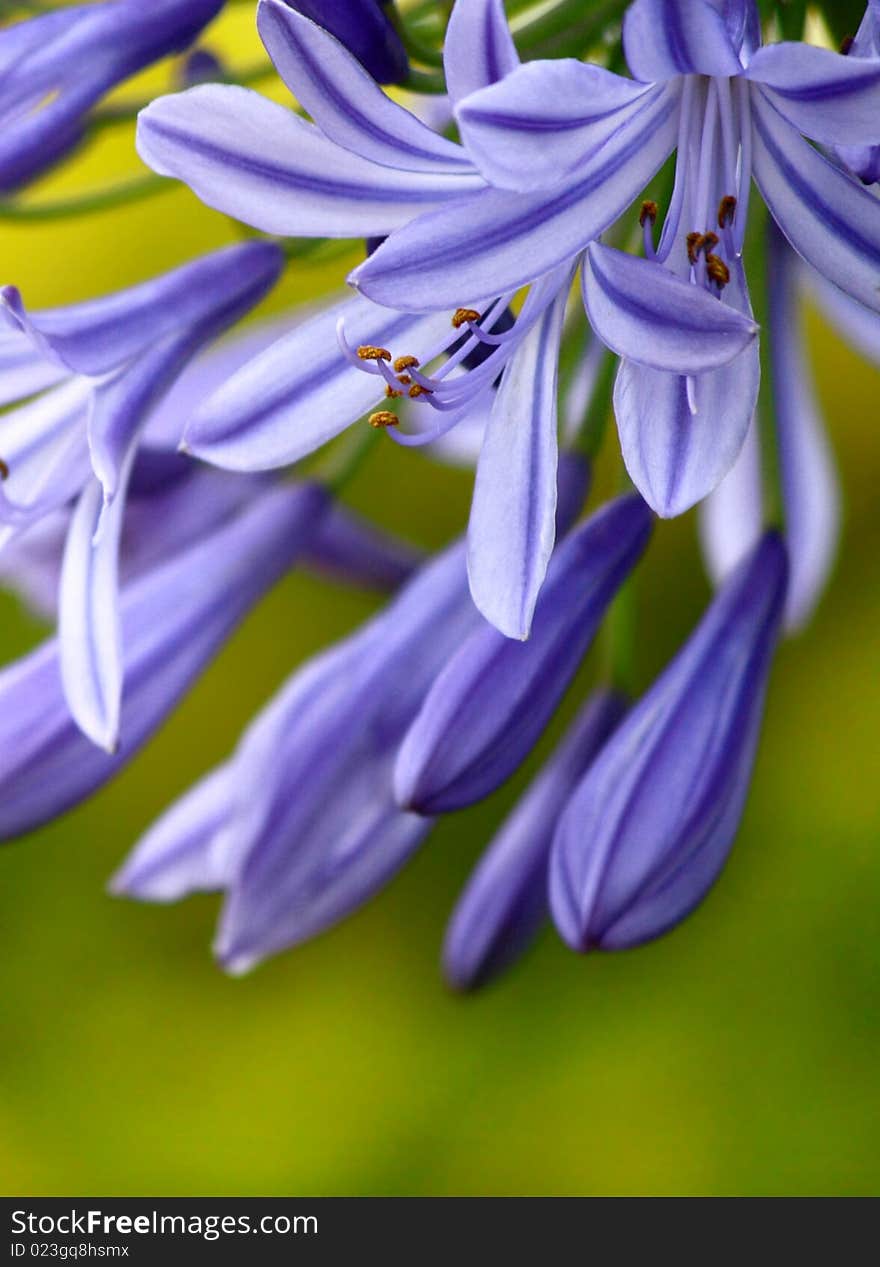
{"points": [[738, 1055]]}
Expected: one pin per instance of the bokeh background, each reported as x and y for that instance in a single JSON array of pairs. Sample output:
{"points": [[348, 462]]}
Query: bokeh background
{"points": [[738, 1055]]}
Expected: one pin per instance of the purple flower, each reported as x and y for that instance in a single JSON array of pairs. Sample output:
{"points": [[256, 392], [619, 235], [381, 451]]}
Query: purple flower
{"points": [[55, 67], [505, 901], [174, 618], [365, 29], [367, 168], [491, 702], [303, 827], [649, 828], [104, 366], [567, 146]]}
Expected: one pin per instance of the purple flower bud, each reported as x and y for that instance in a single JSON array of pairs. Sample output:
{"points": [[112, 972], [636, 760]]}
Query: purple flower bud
{"points": [[365, 30], [650, 826], [486, 710], [505, 901]]}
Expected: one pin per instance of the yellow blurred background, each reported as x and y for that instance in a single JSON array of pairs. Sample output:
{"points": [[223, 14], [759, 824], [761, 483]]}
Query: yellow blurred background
{"points": [[738, 1055]]}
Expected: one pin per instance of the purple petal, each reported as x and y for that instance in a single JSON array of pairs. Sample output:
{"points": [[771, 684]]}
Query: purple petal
{"points": [[349, 549], [488, 706], [301, 392], [478, 49], [663, 39], [675, 456], [252, 159], [827, 216], [512, 523], [830, 97], [44, 446], [98, 335], [345, 102], [650, 826], [534, 127], [496, 241], [505, 901], [642, 311]]}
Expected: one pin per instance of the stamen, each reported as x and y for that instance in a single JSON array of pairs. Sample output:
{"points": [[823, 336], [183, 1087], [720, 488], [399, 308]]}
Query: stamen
{"points": [[405, 379], [648, 212], [404, 363], [726, 211], [367, 352], [391, 392], [647, 219], [700, 243], [384, 418], [418, 390], [463, 317], [4, 470], [718, 271]]}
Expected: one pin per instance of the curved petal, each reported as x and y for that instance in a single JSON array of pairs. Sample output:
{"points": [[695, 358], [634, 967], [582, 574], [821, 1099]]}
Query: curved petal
{"points": [[642, 311], [100, 334], [478, 49], [531, 129], [663, 39], [89, 633], [828, 217], [496, 241], [345, 102], [830, 97], [252, 159], [512, 524], [301, 391], [859, 325]]}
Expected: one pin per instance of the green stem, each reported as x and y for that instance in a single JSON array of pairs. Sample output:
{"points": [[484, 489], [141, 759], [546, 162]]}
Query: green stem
{"points": [[85, 204], [592, 432]]}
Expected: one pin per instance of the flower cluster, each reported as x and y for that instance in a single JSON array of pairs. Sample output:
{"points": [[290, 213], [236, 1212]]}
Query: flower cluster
{"points": [[545, 242]]}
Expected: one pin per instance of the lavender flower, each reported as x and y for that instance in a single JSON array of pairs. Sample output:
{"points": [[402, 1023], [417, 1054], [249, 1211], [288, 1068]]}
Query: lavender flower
{"points": [[55, 67], [732, 111], [105, 364], [650, 825], [390, 170]]}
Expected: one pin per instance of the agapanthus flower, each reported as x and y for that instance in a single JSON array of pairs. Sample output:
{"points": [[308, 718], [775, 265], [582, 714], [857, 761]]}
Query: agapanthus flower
{"points": [[307, 820], [104, 366], [56, 66], [367, 168], [732, 111], [651, 823]]}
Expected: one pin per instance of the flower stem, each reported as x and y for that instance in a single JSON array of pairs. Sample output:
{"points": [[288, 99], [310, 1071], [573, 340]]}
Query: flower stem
{"points": [[85, 204], [759, 289]]}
